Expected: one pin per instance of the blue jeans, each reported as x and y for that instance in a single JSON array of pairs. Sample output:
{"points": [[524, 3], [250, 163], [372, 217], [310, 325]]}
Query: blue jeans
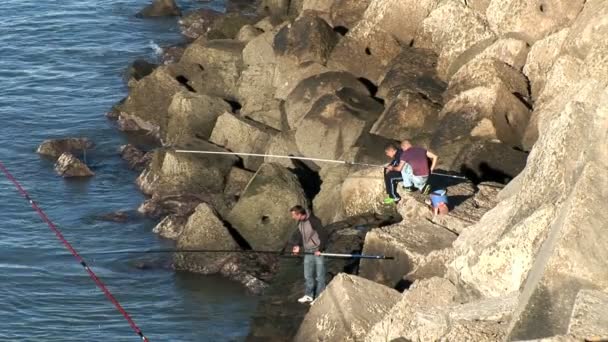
{"points": [[410, 180], [314, 263]]}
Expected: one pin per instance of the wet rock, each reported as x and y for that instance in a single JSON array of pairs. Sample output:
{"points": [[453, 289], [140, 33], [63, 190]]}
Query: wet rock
{"points": [[193, 115], [409, 242], [180, 206], [56, 147], [589, 317], [212, 67], [139, 69], [308, 91], [147, 105], [450, 30], [261, 215], [196, 23], [233, 270], [308, 39], [69, 166], [117, 216], [335, 123], [419, 300], [160, 8], [531, 20], [346, 310], [408, 115], [366, 45], [172, 54], [137, 159], [242, 135], [170, 227], [204, 230], [172, 173], [540, 60]]}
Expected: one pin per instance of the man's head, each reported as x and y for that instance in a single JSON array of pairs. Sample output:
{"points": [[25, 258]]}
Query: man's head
{"points": [[405, 144], [390, 150], [298, 212]]}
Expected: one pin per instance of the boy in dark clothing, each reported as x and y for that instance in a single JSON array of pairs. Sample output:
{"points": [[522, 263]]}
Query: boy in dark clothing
{"points": [[392, 175], [310, 235]]}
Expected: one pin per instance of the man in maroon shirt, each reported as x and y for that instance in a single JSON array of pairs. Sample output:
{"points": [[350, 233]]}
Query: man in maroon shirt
{"points": [[414, 167]]}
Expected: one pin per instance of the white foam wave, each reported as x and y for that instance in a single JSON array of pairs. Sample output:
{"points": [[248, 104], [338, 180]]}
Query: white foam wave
{"points": [[156, 48]]}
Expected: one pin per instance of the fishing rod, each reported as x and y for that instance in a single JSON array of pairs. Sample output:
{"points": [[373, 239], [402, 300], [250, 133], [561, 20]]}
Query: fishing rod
{"points": [[278, 253], [278, 156], [300, 158], [74, 253]]}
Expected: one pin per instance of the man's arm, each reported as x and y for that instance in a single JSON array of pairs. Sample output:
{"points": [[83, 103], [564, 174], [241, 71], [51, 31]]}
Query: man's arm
{"points": [[321, 232], [399, 167], [433, 158]]}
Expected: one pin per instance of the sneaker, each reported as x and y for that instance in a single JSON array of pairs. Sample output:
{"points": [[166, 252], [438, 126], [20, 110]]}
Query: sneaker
{"points": [[313, 302], [305, 299], [390, 200], [409, 188], [425, 189]]}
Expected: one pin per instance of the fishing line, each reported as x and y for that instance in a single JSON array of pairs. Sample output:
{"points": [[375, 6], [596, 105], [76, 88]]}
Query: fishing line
{"points": [[80, 260]]}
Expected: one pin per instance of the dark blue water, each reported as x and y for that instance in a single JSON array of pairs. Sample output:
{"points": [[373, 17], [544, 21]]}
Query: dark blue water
{"points": [[61, 65]]}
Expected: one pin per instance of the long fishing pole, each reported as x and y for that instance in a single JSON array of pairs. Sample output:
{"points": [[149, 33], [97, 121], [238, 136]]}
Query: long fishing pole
{"points": [[278, 253], [73, 251], [322, 160], [300, 158]]}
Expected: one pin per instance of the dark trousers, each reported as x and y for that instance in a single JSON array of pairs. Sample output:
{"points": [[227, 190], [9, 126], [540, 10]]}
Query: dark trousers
{"points": [[391, 179]]}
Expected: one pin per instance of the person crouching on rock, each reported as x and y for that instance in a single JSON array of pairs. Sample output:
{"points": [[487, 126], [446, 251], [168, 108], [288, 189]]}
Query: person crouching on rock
{"points": [[392, 173], [414, 167], [310, 236]]}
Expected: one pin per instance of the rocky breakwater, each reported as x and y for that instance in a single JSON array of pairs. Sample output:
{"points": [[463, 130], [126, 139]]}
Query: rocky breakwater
{"points": [[503, 91]]}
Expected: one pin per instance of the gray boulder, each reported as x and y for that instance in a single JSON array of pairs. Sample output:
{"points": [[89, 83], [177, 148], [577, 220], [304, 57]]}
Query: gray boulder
{"points": [[308, 91], [589, 316], [204, 230], [170, 227], [212, 67], [148, 102], [56, 147], [366, 44], [406, 116], [242, 135], [308, 39], [346, 310], [531, 20], [335, 123], [450, 30], [261, 215], [409, 242], [193, 115], [160, 8], [69, 166], [137, 159]]}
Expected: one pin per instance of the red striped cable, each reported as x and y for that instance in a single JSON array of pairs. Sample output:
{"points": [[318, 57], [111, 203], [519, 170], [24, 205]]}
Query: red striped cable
{"points": [[82, 262]]}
